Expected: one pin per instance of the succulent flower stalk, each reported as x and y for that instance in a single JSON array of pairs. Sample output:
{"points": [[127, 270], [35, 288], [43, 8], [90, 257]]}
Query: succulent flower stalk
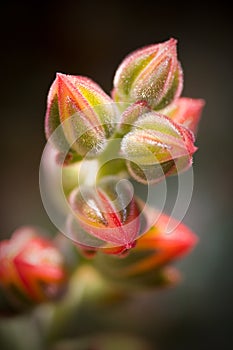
{"points": [[152, 138]]}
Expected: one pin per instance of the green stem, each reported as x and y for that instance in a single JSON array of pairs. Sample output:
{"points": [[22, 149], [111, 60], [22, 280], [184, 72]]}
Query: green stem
{"points": [[86, 287], [110, 162]]}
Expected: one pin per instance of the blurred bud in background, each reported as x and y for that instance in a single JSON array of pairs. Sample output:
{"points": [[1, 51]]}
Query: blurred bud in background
{"points": [[146, 265], [32, 269]]}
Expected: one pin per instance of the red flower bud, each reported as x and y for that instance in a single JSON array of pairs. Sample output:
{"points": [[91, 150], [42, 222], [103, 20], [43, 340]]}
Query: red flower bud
{"points": [[31, 267], [166, 246], [108, 212], [186, 111]]}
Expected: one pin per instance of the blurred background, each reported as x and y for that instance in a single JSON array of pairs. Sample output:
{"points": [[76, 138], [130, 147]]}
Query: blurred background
{"points": [[40, 38]]}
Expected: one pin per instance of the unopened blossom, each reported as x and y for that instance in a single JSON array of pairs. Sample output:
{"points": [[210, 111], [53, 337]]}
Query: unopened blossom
{"points": [[108, 211], [32, 269], [81, 113], [152, 74], [186, 111], [157, 147]]}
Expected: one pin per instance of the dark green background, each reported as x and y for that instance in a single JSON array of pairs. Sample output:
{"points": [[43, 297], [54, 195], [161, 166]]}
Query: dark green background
{"points": [[39, 38]]}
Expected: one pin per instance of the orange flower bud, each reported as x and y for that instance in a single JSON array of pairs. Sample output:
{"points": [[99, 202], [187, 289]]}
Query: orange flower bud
{"points": [[147, 265], [32, 269], [163, 247]]}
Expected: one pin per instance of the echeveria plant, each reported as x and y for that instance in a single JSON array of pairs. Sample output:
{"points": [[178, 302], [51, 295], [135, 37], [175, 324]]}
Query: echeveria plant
{"points": [[106, 147]]}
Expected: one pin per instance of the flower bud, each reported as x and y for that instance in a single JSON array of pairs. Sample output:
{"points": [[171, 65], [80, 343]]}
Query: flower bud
{"points": [[166, 246], [85, 112], [186, 111], [52, 120], [152, 73], [130, 116], [147, 264], [157, 146], [108, 212], [32, 269]]}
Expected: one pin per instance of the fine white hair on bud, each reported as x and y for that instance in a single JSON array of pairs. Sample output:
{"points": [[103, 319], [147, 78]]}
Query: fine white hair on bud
{"points": [[152, 74]]}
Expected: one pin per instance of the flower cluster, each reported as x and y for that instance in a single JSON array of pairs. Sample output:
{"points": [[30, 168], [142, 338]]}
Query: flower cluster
{"points": [[145, 131], [154, 127]]}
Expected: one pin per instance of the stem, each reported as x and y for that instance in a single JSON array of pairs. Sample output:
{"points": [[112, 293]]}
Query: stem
{"points": [[111, 151], [86, 287], [88, 172], [64, 311], [108, 163]]}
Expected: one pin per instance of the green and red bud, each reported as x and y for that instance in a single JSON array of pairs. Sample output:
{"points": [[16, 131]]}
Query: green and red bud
{"points": [[32, 269], [152, 74], [131, 115], [108, 212], [157, 147], [186, 111], [167, 247], [148, 263], [83, 112]]}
